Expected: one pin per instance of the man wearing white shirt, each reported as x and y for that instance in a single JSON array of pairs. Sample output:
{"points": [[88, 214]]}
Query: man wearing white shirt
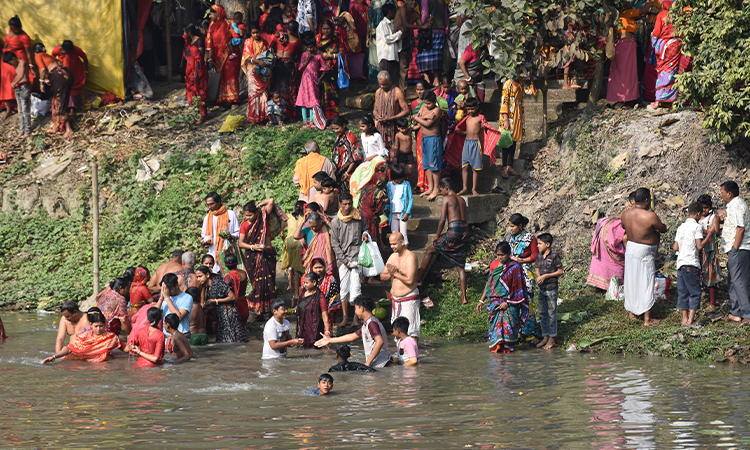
{"points": [[388, 43], [736, 244], [222, 220]]}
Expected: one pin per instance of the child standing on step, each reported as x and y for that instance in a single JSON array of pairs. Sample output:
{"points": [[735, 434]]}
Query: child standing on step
{"points": [[400, 200], [312, 63], [471, 157], [403, 143]]}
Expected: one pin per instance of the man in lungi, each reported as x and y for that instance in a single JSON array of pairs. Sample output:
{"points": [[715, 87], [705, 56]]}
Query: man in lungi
{"points": [[401, 268], [643, 230], [454, 244], [347, 229]]}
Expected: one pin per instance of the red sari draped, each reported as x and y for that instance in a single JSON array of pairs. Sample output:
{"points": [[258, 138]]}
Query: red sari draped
{"points": [[114, 308], [139, 293], [488, 139], [260, 266], [257, 89], [239, 286], [196, 75], [75, 63], [229, 69], [89, 347]]}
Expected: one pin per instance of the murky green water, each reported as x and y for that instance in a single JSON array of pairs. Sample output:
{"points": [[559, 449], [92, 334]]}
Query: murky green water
{"points": [[460, 396]]}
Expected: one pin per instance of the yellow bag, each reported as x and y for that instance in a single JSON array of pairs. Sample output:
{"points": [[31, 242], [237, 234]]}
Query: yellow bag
{"points": [[231, 124], [610, 46]]}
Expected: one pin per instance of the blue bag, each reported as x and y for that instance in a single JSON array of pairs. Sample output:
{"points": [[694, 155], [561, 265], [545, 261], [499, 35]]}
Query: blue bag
{"points": [[343, 79]]}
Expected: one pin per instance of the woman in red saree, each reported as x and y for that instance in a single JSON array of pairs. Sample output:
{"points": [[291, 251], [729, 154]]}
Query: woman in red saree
{"points": [[225, 57], [196, 72], [330, 46], [18, 42], [260, 255], [312, 312], [148, 342], [93, 345], [257, 84], [237, 278], [140, 296]]}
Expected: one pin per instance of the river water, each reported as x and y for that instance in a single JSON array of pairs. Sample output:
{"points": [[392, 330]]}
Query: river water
{"points": [[460, 396]]}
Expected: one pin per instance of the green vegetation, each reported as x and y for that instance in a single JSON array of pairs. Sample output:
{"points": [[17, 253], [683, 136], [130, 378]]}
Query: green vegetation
{"points": [[143, 221], [717, 36]]}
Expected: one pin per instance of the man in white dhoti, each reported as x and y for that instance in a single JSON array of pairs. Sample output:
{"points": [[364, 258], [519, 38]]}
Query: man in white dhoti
{"points": [[401, 269], [643, 230]]}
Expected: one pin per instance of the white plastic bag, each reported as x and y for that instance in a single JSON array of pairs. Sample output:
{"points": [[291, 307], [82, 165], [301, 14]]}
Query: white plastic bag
{"points": [[613, 293], [39, 107], [661, 287], [377, 259]]}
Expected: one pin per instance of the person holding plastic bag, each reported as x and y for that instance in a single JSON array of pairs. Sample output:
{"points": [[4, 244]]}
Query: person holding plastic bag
{"points": [[347, 230], [372, 200]]}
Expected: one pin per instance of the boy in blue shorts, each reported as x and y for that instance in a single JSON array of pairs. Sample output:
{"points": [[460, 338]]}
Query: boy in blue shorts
{"points": [[429, 120], [689, 241], [471, 157]]}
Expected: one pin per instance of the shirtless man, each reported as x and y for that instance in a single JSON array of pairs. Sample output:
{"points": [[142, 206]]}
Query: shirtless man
{"points": [[401, 268], [454, 244], [186, 276], [428, 120], [390, 104], [643, 229], [173, 265], [72, 323]]}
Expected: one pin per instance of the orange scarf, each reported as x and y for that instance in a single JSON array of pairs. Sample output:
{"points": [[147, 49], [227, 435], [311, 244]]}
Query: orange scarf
{"points": [[222, 224], [305, 168], [92, 348]]}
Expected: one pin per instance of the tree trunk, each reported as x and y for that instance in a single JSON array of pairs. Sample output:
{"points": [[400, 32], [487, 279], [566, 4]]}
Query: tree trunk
{"points": [[233, 6], [95, 225], [544, 109], [596, 86]]}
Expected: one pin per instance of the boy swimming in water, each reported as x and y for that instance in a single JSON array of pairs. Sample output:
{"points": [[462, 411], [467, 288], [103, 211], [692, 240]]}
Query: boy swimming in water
{"points": [[343, 353], [325, 385]]}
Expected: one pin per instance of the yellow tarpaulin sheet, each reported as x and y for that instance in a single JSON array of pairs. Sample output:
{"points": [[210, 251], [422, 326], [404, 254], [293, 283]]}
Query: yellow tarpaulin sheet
{"points": [[93, 25]]}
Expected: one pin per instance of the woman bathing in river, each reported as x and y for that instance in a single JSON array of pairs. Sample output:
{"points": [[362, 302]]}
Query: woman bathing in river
{"points": [[94, 345]]}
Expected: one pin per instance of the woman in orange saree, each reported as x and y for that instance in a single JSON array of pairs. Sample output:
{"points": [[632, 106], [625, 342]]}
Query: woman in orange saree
{"points": [[93, 345], [225, 56]]}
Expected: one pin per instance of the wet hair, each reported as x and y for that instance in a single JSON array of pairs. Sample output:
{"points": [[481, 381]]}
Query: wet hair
{"points": [[445, 78], [208, 256], [344, 352], [8, 57], [277, 303], [314, 217], [177, 254], [328, 182], [118, 283], [546, 238], [445, 183], [401, 324], [129, 273], [429, 96], [694, 208], [706, 200], [313, 207], [204, 270], [169, 280], [299, 209], [345, 196], [68, 46], [518, 220], [320, 176], [401, 122], [312, 276], [172, 320], [368, 121], [188, 258], [154, 316], [398, 172], [503, 247], [69, 306], [230, 261], [388, 8], [308, 39], [731, 187], [195, 293], [250, 207], [365, 302], [642, 195], [471, 102], [425, 85], [39, 48], [95, 315], [325, 377], [214, 196], [293, 28], [15, 21], [340, 121]]}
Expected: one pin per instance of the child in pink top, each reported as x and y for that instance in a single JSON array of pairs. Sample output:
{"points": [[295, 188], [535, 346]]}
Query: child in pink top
{"points": [[407, 353], [311, 65]]}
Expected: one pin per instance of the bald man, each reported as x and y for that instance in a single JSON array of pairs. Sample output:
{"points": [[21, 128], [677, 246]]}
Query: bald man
{"points": [[401, 269]]}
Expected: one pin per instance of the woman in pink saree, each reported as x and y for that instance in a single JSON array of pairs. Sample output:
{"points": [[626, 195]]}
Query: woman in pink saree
{"points": [[608, 251]]}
